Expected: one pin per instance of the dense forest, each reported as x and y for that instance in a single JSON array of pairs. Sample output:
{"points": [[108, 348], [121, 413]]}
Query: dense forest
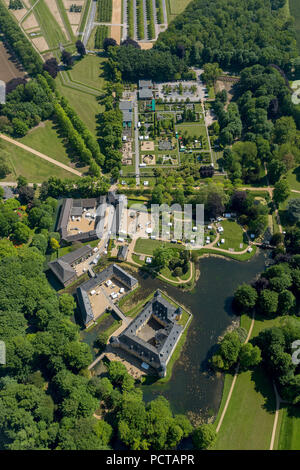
{"points": [[235, 33]]}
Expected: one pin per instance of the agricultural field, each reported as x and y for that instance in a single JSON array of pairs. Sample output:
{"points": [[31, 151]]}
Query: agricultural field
{"points": [[104, 11], [9, 67], [30, 166], [48, 21], [100, 34]]}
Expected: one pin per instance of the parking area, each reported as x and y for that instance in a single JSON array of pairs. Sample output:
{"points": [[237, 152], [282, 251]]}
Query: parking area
{"points": [[181, 90]]}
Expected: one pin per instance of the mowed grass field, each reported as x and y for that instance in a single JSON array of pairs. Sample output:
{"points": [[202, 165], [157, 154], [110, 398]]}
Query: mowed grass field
{"points": [[45, 139], [175, 7], [289, 436], [89, 71], [233, 235], [35, 169], [249, 419], [293, 177], [84, 104], [49, 26]]}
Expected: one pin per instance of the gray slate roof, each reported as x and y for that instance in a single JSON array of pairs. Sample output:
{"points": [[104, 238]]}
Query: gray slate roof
{"points": [[145, 93], [145, 83], [166, 337], [62, 267], [110, 271]]}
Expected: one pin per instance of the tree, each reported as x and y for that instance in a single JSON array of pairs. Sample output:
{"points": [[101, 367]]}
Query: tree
{"points": [[161, 256], [268, 302], [293, 210], [54, 244], [204, 437], [20, 128], [109, 42], [250, 356], [281, 191], [67, 58], [26, 194], [229, 349], [245, 298], [286, 302], [284, 130], [67, 304], [4, 168], [77, 355], [211, 72], [104, 431], [51, 66], [80, 48], [21, 233]]}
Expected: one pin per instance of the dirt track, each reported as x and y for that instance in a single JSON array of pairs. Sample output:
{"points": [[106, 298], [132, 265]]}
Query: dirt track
{"points": [[39, 154]]}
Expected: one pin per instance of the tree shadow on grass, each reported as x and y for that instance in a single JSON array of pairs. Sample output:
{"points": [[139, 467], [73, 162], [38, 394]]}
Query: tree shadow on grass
{"points": [[296, 172], [264, 386], [69, 151]]}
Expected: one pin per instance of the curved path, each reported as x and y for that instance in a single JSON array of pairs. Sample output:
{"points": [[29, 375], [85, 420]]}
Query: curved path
{"points": [[40, 155]]}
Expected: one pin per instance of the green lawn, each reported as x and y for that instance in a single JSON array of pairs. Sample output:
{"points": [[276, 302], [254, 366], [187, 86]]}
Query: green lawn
{"points": [[84, 104], [289, 436], [293, 177], [32, 167], [192, 129], [89, 71], [175, 7], [147, 246], [45, 139], [49, 26], [233, 235], [249, 419]]}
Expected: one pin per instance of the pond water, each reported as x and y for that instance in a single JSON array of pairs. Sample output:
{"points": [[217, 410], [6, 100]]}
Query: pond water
{"points": [[192, 389]]}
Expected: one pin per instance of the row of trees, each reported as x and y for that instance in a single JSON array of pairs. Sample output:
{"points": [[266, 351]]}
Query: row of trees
{"points": [[18, 43]]}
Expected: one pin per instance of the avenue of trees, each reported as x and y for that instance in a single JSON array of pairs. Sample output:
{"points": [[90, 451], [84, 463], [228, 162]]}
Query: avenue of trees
{"points": [[16, 40], [234, 33]]}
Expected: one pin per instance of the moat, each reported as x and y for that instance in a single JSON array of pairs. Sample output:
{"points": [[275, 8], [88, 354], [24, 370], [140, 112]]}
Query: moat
{"points": [[192, 389]]}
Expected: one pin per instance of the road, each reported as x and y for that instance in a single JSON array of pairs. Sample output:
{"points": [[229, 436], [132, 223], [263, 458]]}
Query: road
{"points": [[136, 137], [90, 22], [40, 155]]}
